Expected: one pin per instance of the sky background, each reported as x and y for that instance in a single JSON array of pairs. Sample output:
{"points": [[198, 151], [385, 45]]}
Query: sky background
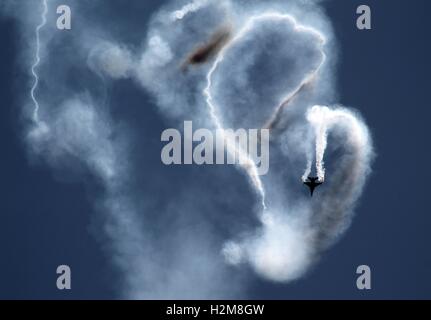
{"points": [[48, 219]]}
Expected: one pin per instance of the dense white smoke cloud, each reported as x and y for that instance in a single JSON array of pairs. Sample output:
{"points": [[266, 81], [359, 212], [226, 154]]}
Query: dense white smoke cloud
{"points": [[273, 72]]}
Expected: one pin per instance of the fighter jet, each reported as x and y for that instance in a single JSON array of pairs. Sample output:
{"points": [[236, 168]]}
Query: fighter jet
{"points": [[312, 184]]}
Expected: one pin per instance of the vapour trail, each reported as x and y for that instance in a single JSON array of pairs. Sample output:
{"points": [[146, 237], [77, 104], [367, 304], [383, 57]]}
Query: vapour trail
{"points": [[322, 120], [304, 83], [307, 171], [244, 159], [37, 62], [188, 8], [248, 164]]}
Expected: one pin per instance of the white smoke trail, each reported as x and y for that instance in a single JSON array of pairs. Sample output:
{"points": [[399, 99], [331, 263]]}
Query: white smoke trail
{"points": [[37, 62], [244, 159], [307, 171], [333, 214], [321, 144], [309, 78], [249, 165], [282, 248], [322, 119], [188, 8]]}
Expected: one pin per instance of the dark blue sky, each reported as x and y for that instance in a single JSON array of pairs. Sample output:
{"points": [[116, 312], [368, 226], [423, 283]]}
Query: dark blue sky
{"points": [[47, 221]]}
